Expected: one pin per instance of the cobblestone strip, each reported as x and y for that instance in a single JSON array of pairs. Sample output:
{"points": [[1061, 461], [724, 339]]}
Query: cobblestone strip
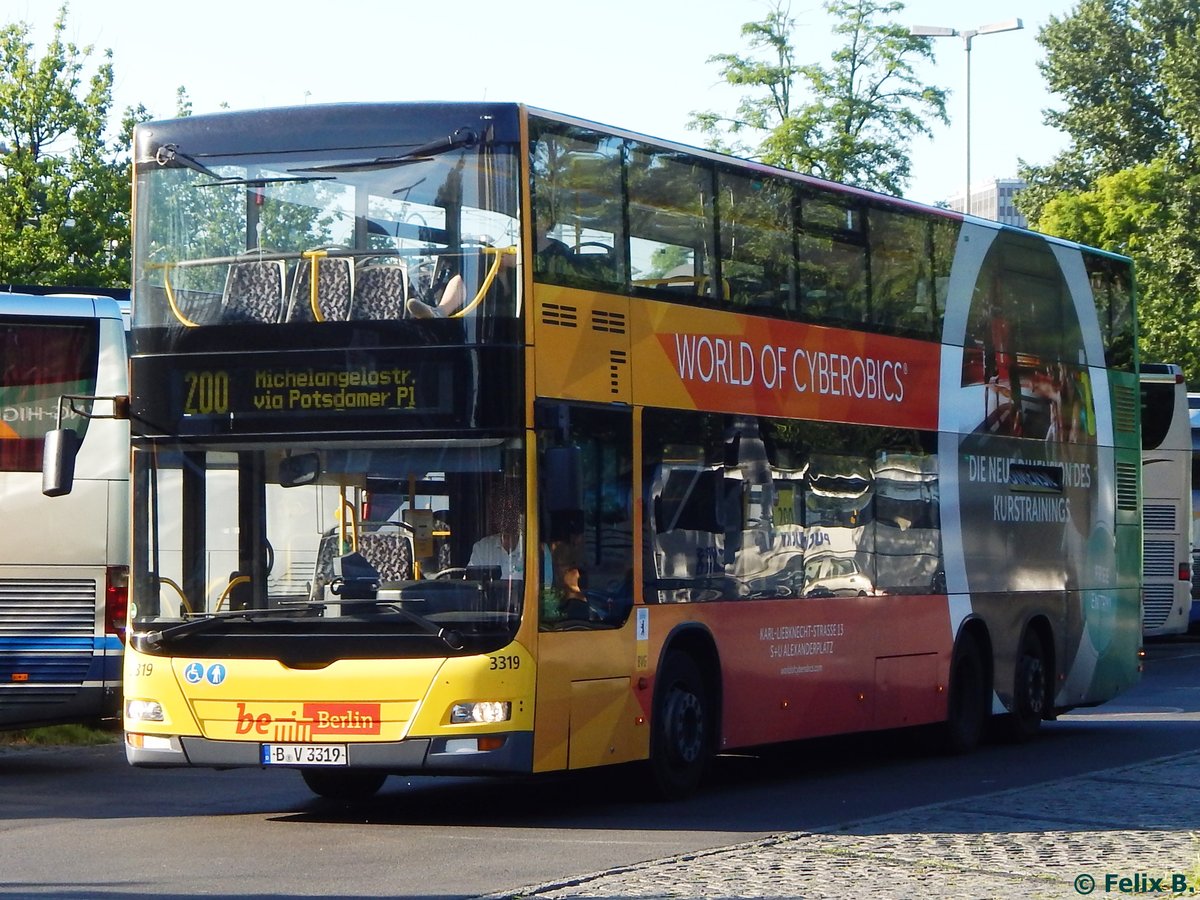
{"points": [[1043, 841]]}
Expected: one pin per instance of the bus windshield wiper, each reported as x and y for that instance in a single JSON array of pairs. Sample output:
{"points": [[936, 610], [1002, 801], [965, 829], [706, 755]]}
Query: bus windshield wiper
{"points": [[462, 137], [167, 154], [452, 638], [263, 182], [449, 636], [170, 154], [211, 620]]}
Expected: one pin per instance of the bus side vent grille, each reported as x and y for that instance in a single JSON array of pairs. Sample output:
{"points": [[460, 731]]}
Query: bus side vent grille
{"points": [[618, 360], [1158, 559], [560, 314], [1125, 409], [47, 632], [1127, 483], [608, 322], [1156, 604], [1159, 517], [52, 609]]}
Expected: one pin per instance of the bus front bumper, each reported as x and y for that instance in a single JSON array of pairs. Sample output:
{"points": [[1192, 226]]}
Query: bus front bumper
{"points": [[414, 755]]}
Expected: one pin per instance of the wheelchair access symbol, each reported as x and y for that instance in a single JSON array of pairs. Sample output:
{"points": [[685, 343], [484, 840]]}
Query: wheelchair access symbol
{"points": [[194, 673]]}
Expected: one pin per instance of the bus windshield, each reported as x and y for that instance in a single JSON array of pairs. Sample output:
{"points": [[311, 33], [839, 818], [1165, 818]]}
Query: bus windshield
{"points": [[415, 221], [43, 359], [406, 541]]}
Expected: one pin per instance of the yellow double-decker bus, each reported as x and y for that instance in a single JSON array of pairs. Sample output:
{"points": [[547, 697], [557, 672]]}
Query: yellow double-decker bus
{"points": [[578, 447]]}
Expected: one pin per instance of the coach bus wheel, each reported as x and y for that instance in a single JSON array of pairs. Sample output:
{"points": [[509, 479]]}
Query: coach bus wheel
{"points": [[967, 713], [1031, 689], [680, 740], [348, 785]]}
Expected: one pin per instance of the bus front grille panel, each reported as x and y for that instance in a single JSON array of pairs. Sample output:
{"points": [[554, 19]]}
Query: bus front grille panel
{"points": [[47, 636]]}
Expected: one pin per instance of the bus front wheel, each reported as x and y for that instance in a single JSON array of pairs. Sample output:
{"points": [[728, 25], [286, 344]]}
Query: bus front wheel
{"points": [[681, 738], [969, 692], [346, 785]]}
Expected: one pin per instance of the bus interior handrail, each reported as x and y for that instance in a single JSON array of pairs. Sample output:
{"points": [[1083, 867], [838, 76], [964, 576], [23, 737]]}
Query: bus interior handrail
{"points": [[499, 253], [314, 257]]}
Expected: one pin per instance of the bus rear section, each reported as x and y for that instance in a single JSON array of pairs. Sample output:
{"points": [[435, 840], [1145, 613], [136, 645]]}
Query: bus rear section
{"points": [[1193, 400], [1167, 501], [63, 561]]}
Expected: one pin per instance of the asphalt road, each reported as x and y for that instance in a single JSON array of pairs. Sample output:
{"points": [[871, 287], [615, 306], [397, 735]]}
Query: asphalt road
{"points": [[80, 823]]}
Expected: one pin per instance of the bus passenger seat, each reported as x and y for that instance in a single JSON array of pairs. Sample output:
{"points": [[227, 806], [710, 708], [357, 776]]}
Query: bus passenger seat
{"points": [[335, 287], [254, 291], [380, 291], [389, 551]]}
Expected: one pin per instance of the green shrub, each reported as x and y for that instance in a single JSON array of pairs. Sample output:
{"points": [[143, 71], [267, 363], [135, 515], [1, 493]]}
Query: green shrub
{"points": [[51, 735]]}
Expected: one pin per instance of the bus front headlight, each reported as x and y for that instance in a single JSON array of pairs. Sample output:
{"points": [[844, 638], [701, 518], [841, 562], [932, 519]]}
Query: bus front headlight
{"points": [[480, 711], [144, 711]]}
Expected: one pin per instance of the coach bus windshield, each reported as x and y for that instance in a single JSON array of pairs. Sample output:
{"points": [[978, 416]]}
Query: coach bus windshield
{"points": [[400, 220], [417, 545]]}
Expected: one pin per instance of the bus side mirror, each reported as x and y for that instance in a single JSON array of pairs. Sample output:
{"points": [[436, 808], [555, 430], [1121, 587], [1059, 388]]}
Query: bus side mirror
{"points": [[58, 461]]}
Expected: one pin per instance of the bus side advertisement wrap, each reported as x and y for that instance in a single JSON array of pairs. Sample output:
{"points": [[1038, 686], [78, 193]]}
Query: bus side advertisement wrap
{"points": [[744, 364]]}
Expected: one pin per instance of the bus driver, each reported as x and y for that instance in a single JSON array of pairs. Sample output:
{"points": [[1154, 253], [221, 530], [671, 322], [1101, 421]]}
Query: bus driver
{"points": [[504, 546]]}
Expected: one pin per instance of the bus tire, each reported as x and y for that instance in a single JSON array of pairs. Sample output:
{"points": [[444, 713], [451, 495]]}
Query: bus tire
{"points": [[680, 739], [1032, 679], [967, 708], [345, 785]]}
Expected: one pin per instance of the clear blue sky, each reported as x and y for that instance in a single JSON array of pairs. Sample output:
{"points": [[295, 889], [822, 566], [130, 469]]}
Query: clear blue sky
{"points": [[638, 64]]}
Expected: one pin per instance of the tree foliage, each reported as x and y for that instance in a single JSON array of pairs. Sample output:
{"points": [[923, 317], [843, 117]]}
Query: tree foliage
{"points": [[64, 193], [1128, 72], [860, 111]]}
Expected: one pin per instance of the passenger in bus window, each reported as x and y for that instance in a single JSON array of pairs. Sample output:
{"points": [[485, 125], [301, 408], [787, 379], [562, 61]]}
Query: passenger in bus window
{"points": [[550, 256], [449, 290], [564, 599], [567, 598]]}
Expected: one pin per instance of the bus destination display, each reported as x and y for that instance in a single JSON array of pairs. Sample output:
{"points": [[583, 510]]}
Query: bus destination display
{"points": [[293, 389], [256, 392]]}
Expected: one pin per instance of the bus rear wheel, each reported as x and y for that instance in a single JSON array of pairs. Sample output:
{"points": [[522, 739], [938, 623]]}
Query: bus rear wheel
{"points": [[346, 785], [1031, 689], [681, 738]]}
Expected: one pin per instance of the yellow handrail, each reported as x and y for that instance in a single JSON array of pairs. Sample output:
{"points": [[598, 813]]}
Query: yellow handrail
{"points": [[241, 579], [345, 504], [171, 297], [499, 253], [315, 256], [182, 596]]}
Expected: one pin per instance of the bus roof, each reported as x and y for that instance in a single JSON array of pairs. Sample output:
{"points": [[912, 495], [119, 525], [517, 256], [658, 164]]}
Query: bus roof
{"points": [[75, 306]]}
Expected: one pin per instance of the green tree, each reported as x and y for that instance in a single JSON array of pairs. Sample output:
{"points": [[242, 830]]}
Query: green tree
{"points": [[1128, 72], [1103, 62], [64, 194], [861, 111], [1114, 214]]}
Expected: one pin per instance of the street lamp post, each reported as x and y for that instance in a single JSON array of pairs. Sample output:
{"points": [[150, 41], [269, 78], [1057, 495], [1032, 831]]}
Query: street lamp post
{"points": [[967, 36]]}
